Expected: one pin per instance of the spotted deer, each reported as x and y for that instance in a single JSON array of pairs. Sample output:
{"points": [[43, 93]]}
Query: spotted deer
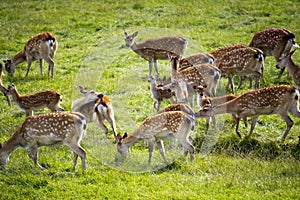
{"points": [[156, 49], [45, 130], [274, 42], [213, 101], [270, 100], [40, 47], [2, 88], [30, 102], [196, 59], [159, 93], [195, 76], [242, 62], [293, 69], [97, 108], [155, 129]]}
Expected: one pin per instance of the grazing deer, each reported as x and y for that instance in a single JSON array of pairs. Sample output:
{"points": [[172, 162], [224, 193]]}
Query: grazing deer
{"points": [[271, 100], [293, 69], [39, 47], [2, 88], [96, 108], [213, 101], [44, 130], [159, 93], [156, 49], [195, 76], [30, 102], [274, 42], [155, 129], [242, 62]]}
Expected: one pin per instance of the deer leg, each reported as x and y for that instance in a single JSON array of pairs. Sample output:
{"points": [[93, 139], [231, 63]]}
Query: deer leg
{"points": [[156, 67], [75, 160], [237, 127], [99, 122], [78, 151], [289, 123], [241, 82], [33, 154], [160, 146], [50, 66], [150, 67], [41, 66], [150, 149], [29, 61], [254, 121], [257, 81]]}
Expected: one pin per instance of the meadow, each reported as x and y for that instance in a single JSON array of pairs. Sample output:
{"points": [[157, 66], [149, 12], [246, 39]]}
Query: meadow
{"points": [[92, 53]]}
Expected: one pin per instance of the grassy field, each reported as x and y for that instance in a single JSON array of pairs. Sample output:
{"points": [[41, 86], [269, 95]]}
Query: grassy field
{"points": [[92, 53]]}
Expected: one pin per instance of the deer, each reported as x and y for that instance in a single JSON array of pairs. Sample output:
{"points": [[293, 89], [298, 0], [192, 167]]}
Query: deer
{"points": [[35, 101], [45, 130], [40, 47], [156, 128], [213, 101], [96, 108], [156, 49], [2, 88], [242, 62], [274, 42], [159, 93], [293, 69], [195, 76], [265, 101], [195, 59]]}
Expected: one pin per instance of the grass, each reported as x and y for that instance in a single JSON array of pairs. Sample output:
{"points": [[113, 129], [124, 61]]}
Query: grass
{"points": [[92, 53]]}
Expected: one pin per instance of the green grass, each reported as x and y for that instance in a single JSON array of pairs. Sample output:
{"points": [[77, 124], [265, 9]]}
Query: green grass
{"points": [[92, 53]]}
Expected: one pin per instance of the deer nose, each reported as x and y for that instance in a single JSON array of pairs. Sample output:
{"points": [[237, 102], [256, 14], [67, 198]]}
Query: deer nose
{"points": [[277, 66]]}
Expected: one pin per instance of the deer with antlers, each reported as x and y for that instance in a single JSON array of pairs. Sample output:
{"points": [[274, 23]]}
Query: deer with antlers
{"points": [[44, 130], [2, 88], [30, 102], [40, 47], [274, 42], [97, 108], [271, 100], [156, 49], [155, 129], [293, 69]]}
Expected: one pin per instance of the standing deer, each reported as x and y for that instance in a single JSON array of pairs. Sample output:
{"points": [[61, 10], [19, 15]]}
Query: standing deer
{"points": [[159, 93], [196, 59], [293, 69], [274, 42], [96, 108], [271, 100], [242, 62], [195, 76], [155, 129], [30, 102], [2, 88], [44, 130], [40, 47], [156, 49]]}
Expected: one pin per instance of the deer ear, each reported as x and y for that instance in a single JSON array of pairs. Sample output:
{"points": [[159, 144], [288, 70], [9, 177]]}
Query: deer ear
{"points": [[125, 135], [135, 34], [119, 138]]}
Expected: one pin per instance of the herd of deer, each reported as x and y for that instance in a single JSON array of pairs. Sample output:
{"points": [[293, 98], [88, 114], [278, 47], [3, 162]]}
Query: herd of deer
{"points": [[198, 74]]}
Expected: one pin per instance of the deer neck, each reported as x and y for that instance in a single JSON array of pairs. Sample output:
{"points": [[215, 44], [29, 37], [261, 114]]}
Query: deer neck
{"points": [[16, 96], [133, 138], [228, 107], [153, 89], [20, 57], [12, 143], [135, 46], [291, 67]]}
